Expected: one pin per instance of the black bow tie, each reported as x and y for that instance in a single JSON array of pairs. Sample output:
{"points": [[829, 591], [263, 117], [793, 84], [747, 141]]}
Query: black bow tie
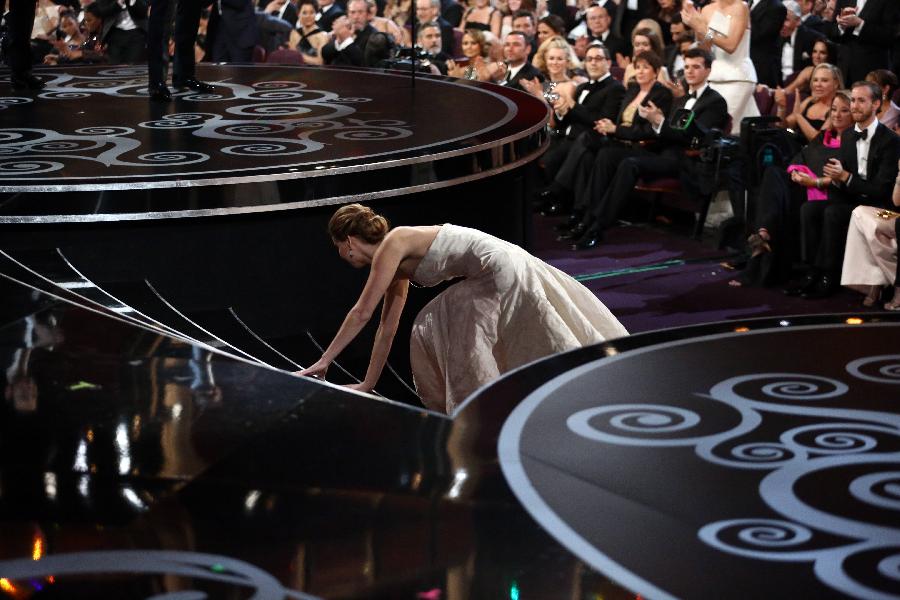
{"points": [[692, 95], [862, 135], [785, 40]]}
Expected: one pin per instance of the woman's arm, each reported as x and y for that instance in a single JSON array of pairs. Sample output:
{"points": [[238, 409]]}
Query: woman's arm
{"points": [[394, 300], [801, 81], [801, 121], [381, 276], [699, 22], [496, 22]]}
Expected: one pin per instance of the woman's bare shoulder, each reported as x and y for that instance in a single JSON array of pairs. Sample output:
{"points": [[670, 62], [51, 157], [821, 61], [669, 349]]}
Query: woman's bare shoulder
{"points": [[414, 239]]}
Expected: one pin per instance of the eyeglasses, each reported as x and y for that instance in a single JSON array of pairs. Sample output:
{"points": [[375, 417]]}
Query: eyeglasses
{"points": [[595, 58]]}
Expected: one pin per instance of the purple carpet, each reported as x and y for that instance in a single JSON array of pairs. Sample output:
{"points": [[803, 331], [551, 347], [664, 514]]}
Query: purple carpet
{"points": [[653, 277]]}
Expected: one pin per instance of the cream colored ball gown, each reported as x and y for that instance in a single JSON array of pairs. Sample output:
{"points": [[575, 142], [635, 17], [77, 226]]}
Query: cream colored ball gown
{"points": [[510, 309]]}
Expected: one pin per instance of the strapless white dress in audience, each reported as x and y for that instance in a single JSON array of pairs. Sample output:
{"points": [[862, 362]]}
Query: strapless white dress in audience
{"points": [[734, 76]]}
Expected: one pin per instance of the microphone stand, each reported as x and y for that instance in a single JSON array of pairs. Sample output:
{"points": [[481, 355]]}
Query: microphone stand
{"points": [[412, 44]]}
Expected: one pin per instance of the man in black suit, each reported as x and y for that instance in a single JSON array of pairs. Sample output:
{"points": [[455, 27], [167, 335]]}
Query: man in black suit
{"points": [[808, 18], [187, 19], [236, 31], [863, 173], [360, 13], [626, 16], [766, 19], [516, 48], [707, 109], [430, 10], [329, 10], [341, 49], [124, 30], [797, 42], [865, 36], [599, 24], [672, 54], [19, 23], [598, 98]]}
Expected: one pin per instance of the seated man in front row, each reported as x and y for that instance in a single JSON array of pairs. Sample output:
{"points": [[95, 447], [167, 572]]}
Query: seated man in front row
{"points": [[710, 111]]}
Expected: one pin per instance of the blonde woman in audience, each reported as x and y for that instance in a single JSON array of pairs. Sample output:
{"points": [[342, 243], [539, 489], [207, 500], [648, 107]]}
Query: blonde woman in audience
{"points": [[475, 49], [809, 116], [481, 15], [870, 257]]}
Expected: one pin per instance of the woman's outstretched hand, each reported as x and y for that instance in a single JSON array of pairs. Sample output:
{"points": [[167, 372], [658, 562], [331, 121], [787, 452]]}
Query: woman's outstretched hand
{"points": [[317, 370]]}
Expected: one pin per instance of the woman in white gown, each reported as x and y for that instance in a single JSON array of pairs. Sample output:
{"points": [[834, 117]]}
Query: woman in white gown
{"points": [[510, 308], [724, 27]]}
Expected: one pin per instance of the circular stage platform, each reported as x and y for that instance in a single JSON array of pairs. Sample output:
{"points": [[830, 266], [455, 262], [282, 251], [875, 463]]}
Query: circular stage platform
{"points": [[688, 468], [344, 132]]}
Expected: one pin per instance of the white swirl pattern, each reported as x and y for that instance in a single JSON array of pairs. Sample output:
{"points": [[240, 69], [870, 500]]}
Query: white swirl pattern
{"points": [[273, 118], [857, 446]]}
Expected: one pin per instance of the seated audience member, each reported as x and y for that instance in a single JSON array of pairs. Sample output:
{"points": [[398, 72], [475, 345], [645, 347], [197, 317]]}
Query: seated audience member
{"points": [[775, 243], [556, 61], [865, 35], [796, 43], [398, 12], [475, 51], [430, 41], [644, 40], [90, 51], [673, 54], [329, 10], [887, 81], [430, 10], [43, 31], [516, 49], [523, 21], [124, 30], [808, 116], [823, 52], [358, 11], [669, 12], [283, 9], [617, 170], [598, 23], [341, 50], [70, 38], [308, 38], [575, 116], [481, 15], [274, 32], [863, 173], [870, 257], [451, 11], [387, 26], [548, 27]]}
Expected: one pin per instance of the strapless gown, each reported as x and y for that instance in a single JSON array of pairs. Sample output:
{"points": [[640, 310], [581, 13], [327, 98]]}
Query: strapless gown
{"points": [[734, 76], [510, 309]]}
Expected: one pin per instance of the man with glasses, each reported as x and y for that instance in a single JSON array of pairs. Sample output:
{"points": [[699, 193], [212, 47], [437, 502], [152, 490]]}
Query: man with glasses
{"points": [[596, 99]]}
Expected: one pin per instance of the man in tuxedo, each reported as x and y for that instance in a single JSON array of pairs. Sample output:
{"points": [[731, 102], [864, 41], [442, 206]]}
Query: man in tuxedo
{"points": [[797, 42], [598, 98], [863, 173], [19, 22], [359, 12], [672, 56], [430, 42], [599, 23], [124, 30], [865, 29], [516, 48], [329, 10], [766, 19], [707, 110], [187, 19], [808, 18], [341, 49]]}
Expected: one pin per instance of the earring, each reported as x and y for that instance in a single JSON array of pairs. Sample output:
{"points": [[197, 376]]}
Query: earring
{"points": [[350, 254]]}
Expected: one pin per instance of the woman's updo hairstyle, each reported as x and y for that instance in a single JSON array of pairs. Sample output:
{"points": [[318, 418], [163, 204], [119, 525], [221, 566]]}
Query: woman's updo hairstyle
{"points": [[359, 221]]}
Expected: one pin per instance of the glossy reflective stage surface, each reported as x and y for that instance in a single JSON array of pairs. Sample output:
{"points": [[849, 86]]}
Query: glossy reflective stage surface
{"points": [[280, 137]]}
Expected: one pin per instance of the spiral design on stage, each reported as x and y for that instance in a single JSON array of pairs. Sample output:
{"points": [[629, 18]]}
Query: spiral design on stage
{"points": [[374, 133], [64, 146], [173, 158], [279, 85], [634, 424], [839, 438], [880, 369], [270, 110], [890, 566], [10, 150], [276, 95], [255, 129], [352, 100], [782, 386], [740, 536], [124, 72], [260, 149], [178, 121], [54, 95], [8, 101], [29, 167], [110, 130], [106, 83], [878, 489], [762, 452]]}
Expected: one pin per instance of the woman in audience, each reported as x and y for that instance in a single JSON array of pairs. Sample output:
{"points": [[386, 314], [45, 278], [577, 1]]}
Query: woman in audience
{"points": [[398, 12], [548, 27], [475, 49], [808, 116], [71, 38], [724, 27], [870, 257], [481, 15], [664, 11], [308, 39], [823, 51], [887, 81], [556, 60], [643, 40], [781, 193]]}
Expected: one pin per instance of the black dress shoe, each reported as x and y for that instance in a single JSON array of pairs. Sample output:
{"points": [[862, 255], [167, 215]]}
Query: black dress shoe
{"points": [[193, 84], [573, 233], [26, 81], [574, 219], [804, 285], [159, 92], [555, 208], [825, 286], [591, 239]]}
